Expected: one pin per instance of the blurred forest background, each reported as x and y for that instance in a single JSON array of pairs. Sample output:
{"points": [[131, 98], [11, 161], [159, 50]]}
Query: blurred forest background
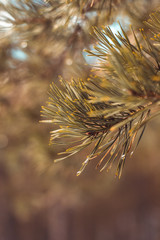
{"points": [[39, 200]]}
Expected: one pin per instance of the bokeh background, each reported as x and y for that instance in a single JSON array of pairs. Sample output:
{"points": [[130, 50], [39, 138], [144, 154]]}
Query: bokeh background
{"points": [[40, 200]]}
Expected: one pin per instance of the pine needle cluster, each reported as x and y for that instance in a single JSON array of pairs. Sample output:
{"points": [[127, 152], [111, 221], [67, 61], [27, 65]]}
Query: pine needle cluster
{"points": [[110, 109]]}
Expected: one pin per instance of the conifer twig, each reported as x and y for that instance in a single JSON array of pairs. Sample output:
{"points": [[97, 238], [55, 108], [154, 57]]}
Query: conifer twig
{"points": [[110, 110]]}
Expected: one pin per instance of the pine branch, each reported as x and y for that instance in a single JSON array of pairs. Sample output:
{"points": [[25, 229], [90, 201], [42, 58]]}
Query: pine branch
{"points": [[110, 109]]}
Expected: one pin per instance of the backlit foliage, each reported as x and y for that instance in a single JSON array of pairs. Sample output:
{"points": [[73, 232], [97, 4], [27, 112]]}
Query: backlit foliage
{"points": [[112, 107]]}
